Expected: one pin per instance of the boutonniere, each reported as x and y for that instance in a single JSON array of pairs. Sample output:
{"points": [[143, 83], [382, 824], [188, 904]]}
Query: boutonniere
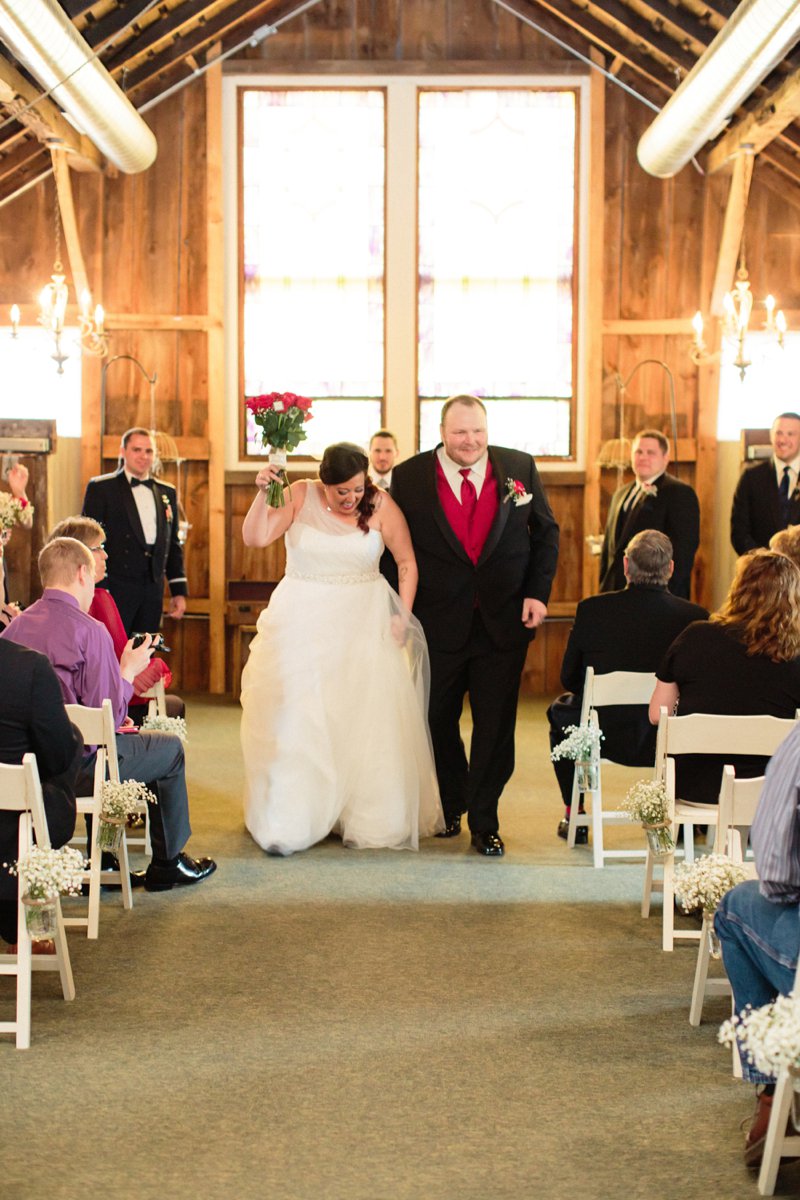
{"points": [[516, 491], [649, 489], [167, 507]]}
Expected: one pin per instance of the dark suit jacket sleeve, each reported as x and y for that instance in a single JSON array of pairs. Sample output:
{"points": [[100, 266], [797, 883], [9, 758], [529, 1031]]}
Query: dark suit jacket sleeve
{"points": [[174, 569], [741, 516], [573, 668], [684, 533], [543, 531]]}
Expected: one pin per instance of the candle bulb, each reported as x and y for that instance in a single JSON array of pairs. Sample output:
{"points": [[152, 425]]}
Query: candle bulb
{"points": [[15, 314], [780, 325], [99, 318], [86, 303], [697, 326]]}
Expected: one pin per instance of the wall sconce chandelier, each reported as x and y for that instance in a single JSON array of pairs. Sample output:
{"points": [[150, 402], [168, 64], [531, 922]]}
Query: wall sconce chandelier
{"points": [[53, 301], [737, 308]]}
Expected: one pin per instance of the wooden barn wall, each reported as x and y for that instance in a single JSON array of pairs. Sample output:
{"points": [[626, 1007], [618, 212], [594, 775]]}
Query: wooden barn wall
{"points": [[145, 240]]}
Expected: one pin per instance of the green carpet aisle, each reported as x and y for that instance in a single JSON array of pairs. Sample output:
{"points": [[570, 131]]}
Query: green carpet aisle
{"points": [[376, 1026]]}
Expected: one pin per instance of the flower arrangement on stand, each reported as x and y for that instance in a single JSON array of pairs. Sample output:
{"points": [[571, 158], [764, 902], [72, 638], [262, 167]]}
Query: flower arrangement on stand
{"points": [[582, 744], [118, 802], [173, 725], [280, 416], [769, 1036], [45, 875], [703, 883], [647, 802]]}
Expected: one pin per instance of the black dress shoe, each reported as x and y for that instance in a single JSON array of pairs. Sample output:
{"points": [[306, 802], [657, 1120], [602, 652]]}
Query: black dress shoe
{"points": [[108, 863], [581, 833], [490, 844], [186, 870], [452, 828]]}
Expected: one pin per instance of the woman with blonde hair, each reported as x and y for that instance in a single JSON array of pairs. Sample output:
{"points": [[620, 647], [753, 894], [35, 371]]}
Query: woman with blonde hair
{"points": [[745, 660]]}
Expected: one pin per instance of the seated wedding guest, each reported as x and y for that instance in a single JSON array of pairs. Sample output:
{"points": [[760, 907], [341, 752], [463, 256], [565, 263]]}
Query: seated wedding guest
{"points": [[82, 653], [627, 630], [758, 922], [787, 541], [743, 660], [104, 609], [18, 483], [33, 720]]}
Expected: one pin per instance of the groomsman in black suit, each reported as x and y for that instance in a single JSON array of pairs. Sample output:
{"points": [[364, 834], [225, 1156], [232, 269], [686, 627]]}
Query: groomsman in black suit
{"points": [[767, 498], [655, 500], [486, 545], [140, 517]]}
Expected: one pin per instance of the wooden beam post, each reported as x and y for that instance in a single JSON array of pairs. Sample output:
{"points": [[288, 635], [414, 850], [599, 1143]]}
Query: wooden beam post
{"points": [[732, 228], [215, 279], [594, 309]]}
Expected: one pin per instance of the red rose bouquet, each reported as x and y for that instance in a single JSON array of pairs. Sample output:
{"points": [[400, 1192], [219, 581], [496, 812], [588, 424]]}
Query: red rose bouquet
{"points": [[280, 416]]}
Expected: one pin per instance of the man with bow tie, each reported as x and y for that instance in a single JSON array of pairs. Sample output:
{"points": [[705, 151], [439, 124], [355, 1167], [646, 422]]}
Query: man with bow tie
{"points": [[767, 497], [655, 500], [486, 544], [140, 517]]}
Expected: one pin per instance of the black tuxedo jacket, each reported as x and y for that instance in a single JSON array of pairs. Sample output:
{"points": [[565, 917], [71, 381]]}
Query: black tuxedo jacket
{"points": [[629, 630], [673, 510], [518, 560], [33, 720], [756, 512], [109, 500]]}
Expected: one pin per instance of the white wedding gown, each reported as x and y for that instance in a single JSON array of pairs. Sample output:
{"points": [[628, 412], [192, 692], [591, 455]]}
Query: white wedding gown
{"points": [[334, 731]]}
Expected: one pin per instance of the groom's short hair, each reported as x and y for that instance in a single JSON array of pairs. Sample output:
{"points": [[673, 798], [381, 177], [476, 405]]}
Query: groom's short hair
{"points": [[467, 399]]}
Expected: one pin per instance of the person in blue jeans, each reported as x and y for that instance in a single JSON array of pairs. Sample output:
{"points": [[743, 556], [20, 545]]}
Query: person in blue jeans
{"points": [[758, 922]]}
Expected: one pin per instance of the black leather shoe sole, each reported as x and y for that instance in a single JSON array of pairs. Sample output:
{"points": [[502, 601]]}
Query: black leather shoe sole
{"points": [[187, 870], [488, 844]]}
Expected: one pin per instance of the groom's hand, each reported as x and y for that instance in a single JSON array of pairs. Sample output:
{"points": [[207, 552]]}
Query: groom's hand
{"points": [[533, 613]]}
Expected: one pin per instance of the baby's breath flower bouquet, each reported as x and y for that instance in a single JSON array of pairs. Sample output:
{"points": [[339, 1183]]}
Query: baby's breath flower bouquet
{"points": [[118, 802], [703, 883], [647, 802], [769, 1036], [582, 744], [45, 875], [13, 512], [173, 725]]}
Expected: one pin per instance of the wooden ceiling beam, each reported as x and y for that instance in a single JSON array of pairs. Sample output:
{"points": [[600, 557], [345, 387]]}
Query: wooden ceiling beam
{"points": [[155, 28], [97, 33], [44, 118], [21, 160], [760, 126], [630, 24], [700, 31], [732, 229]]}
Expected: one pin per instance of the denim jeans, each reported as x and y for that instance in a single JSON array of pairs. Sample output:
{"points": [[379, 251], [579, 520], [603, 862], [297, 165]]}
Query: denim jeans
{"points": [[760, 941]]}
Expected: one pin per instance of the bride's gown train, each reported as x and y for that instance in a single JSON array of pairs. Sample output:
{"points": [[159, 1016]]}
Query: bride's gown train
{"points": [[333, 729]]}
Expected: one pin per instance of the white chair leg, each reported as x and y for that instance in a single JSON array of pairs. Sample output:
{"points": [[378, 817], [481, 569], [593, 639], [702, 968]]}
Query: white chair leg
{"points": [[688, 842], [62, 957], [668, 913], [95, 860], [573, 810], [597, 824], [700, 975], [647, 890], [776, 1142], [125, 873], [23, 1013]]}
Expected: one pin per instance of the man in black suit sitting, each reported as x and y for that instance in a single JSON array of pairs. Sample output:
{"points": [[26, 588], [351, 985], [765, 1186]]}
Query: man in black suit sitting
{"points": [[655, 500], [33, 720], [767, 497], [627, 630]]}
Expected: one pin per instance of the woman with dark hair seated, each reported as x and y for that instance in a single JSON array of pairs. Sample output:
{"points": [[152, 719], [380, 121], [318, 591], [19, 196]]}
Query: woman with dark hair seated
{"points": [[104, 609], [335, 690], [742, 661]]}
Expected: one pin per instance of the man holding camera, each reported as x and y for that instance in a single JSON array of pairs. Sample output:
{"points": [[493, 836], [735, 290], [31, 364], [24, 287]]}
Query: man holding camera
{"points": [[140, 517], [82, 653]]}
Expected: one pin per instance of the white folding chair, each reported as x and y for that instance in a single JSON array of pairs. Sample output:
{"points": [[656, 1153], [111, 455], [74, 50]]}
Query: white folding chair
{"points": [[699, 733], [778, 1145], [738, 801], [97, 727], [599, 691], [21, 791], [157, 699]]}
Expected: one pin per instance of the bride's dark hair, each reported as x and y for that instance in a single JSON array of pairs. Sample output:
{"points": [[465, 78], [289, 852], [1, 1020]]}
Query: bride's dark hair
{"points": [[341, 462]]}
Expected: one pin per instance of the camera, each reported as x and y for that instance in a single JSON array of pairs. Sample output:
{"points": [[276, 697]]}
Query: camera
{"points": [[158, 644]]}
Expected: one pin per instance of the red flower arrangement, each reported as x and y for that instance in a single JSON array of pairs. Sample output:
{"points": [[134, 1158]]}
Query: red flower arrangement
{"points": [[280, 417]]}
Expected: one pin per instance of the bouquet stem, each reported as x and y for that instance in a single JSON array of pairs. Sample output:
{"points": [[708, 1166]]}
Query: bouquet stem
{"points": [[274, 496]]}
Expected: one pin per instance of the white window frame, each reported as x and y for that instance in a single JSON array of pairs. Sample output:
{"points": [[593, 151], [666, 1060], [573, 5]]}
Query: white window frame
{"points": [[400, 400]]}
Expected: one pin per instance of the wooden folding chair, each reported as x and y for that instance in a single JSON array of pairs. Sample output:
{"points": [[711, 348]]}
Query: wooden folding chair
{"points": [[778, 1145], [699, 733], [599, 691], [97, 727], [21, 791], [157, 699]]}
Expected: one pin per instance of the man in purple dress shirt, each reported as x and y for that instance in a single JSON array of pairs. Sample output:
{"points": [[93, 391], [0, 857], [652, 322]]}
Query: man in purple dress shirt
{"points": [[82, 654]]}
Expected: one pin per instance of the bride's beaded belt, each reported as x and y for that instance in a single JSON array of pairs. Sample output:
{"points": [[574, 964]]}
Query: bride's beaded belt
{"points": [[367, 577]]}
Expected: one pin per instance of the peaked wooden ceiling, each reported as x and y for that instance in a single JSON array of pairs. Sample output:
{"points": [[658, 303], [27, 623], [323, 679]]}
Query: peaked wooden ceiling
{"points": [[150, 46]]}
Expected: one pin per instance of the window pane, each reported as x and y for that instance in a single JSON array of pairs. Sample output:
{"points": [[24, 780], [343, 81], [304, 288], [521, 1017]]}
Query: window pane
{"points": [[539, 427], [496, 231], [334, 421], [32, 386], [313, 215], [755, 401]]}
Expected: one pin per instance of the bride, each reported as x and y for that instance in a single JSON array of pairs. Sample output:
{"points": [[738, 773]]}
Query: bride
{"points": [[334, 692]]}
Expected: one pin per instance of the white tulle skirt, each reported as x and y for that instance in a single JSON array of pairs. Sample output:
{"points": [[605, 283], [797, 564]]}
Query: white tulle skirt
{"points": [[334, 732]]}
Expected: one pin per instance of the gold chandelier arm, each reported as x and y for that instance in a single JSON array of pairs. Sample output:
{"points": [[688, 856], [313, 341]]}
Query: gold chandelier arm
{"points": [[69, 224]]}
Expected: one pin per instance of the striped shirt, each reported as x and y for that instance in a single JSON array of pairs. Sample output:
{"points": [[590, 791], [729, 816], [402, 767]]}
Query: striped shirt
{"points": [[775, 835]]}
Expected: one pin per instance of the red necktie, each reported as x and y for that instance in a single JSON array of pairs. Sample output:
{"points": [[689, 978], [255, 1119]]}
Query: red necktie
{"points": [[469, 497]]}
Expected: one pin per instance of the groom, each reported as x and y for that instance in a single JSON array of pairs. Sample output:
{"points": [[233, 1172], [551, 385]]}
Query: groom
{"points": [[487, 545]]}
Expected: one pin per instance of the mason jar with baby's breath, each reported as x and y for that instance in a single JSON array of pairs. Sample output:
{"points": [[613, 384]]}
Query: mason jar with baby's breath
{"points": [[647, 802], [118, 802], [46, 874], [582, 744]]}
